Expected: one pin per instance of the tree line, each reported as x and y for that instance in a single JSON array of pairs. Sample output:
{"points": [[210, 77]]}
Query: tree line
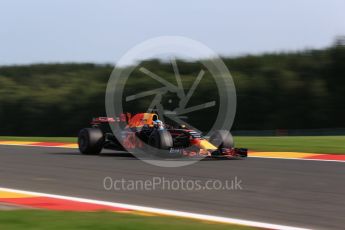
{"points": [[292, 90]]}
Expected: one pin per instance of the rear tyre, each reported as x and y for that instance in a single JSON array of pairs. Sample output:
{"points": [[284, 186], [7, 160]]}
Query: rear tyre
{"points": [[222, 139], [161, 139], [90, 141]]}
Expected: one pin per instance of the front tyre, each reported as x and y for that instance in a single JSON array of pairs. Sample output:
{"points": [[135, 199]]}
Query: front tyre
{"points": [[90, 141], [161, 139]]}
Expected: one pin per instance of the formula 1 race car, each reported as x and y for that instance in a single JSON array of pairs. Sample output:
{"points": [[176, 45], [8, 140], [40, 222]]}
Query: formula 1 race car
{"points": [[147, 128]]}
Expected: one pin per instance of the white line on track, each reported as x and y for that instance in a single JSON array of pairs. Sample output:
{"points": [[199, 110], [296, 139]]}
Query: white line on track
{"points": [[175, 213]]}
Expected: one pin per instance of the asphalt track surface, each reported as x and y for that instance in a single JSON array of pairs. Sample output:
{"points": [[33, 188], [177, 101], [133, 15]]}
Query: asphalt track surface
{"points": [[289, 192]]}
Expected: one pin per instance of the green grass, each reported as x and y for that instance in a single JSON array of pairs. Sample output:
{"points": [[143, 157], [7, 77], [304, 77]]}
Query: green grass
{"points": [[311, 144], [51, 220]]}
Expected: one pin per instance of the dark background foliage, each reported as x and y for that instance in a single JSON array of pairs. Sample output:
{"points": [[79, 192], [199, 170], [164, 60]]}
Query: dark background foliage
{"points": [[294, 90]]}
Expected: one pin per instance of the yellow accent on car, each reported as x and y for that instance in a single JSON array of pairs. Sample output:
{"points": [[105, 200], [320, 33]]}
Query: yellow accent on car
{"points": [[204, 144]]}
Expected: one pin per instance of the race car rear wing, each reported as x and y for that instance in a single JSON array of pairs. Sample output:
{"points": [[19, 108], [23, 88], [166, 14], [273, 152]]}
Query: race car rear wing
{"points": [[100, 120], [122, 118]]}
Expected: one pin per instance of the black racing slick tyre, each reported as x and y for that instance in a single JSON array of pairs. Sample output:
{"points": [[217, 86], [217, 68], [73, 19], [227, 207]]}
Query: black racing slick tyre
{"points": [[90, 141], [222, 139], [161, 139]]}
